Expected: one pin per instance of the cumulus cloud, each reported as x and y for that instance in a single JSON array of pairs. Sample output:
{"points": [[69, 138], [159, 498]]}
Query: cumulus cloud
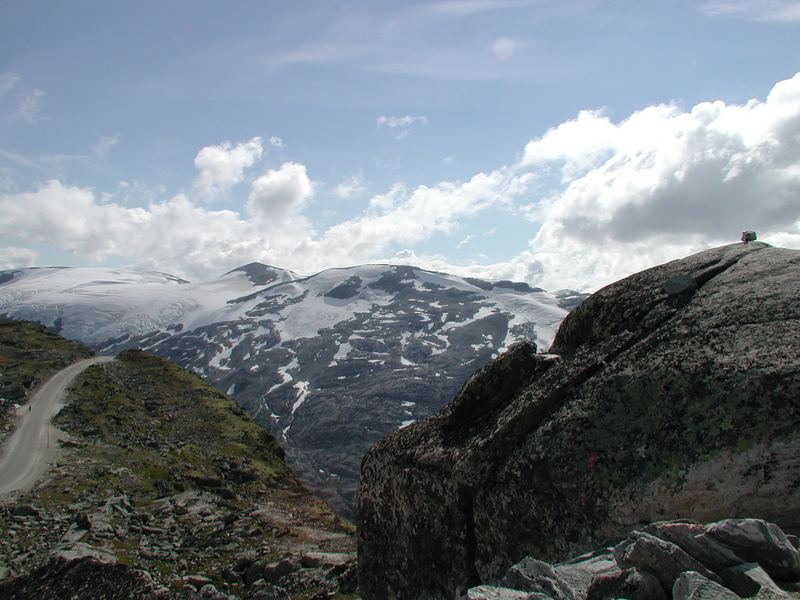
{"points": [[222, 165], [782, 11], [664, 182], [577, 144], [12, 257], [279, 193], [400, 125], [276, 142], [408, 217], [181, 237], [174, 233]]}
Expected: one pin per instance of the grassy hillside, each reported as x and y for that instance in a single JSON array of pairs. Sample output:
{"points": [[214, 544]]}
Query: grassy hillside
{"points": [[165, 474], [29, 355]]}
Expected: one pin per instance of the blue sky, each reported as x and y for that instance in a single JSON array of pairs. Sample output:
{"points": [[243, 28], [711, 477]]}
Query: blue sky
{"points": [[565, 143]]}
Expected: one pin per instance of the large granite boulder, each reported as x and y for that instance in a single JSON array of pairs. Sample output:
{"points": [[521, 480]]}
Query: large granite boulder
{"points": [[671, 400]]}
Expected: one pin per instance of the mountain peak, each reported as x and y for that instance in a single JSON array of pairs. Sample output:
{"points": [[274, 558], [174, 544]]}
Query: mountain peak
{"points": [[261, 274]]}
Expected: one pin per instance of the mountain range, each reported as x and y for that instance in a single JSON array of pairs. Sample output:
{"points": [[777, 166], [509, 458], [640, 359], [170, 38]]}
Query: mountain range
{"points": [[328, 363]]}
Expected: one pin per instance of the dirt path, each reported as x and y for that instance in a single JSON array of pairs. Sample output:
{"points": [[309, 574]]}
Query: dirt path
{"points": [[25, 455]]}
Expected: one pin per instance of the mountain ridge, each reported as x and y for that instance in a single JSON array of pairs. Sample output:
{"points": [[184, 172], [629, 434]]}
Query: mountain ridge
{"points": [[328, 363]]}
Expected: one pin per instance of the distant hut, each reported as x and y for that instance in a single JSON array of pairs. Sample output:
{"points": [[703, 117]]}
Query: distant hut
{"points": [[748, 236]]}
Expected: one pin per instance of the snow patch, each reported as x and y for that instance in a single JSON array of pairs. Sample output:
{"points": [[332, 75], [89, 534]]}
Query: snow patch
{"points": [[302, 393]]}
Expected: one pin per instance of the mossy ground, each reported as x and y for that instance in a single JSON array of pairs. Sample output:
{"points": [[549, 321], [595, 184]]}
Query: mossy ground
{"points": [[29, 354], [152, 427], [147, 430]]}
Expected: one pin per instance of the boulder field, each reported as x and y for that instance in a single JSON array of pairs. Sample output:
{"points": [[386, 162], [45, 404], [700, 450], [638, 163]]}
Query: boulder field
{"points": [[671, 394]]}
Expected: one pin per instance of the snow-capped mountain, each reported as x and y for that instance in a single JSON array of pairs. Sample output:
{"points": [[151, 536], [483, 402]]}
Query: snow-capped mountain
{"points": [[329, 363], [93, 305]]}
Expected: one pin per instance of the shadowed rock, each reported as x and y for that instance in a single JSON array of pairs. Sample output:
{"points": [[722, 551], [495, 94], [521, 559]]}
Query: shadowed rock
{"points": [[661, 407], [693, 586]]}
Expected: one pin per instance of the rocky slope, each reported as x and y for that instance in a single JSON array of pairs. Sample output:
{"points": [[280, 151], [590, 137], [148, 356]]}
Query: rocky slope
{"points": [[674, 396], [29, 355], [328, 363], [166, 487], [682, 560]]}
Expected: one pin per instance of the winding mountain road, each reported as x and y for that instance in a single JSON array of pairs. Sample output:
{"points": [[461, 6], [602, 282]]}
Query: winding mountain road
{"points": [[25, 455]]}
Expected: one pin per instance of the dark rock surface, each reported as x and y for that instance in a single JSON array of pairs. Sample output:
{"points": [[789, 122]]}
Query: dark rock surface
{"points": [[82, 579], [660, 570], [694, 586], [663, 406]]}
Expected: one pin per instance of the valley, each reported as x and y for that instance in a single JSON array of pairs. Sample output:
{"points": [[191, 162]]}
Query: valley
{"points": [[328, 363]]}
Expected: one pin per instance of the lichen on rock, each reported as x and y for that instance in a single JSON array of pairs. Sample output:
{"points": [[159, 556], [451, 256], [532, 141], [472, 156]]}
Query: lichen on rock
{"points": [[669, 401]]}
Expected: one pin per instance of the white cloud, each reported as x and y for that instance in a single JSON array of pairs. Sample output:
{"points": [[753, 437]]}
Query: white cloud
{"points": [[276, 142], [503, 48], [402, 125], [175, 234], [222, 166], [657, 185], [781, 11], [402, 122], [178, 236], [409, 217], [104, 145], [665, 182], [578, 143], [383, 203], [279, 193], [17, 258], [350, 187]]}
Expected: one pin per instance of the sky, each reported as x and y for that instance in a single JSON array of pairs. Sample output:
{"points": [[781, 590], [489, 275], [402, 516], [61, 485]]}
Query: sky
{"points": [[565, 143]]}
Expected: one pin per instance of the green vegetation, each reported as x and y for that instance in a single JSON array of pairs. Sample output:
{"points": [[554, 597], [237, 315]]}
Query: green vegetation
{"points": [[29, 354], [173, 477], [151, 428]]}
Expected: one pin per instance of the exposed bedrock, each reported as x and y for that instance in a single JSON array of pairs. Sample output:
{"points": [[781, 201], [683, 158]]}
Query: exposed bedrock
{"points": [[675, 396]]}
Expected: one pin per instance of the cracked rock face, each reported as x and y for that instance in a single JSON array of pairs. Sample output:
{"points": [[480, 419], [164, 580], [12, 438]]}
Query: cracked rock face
{"points": [[675, 397]]}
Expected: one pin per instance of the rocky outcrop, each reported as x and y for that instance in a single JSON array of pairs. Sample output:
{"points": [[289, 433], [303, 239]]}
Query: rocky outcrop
{"points": [[652, 567], [82, 579], [675, 397]]}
